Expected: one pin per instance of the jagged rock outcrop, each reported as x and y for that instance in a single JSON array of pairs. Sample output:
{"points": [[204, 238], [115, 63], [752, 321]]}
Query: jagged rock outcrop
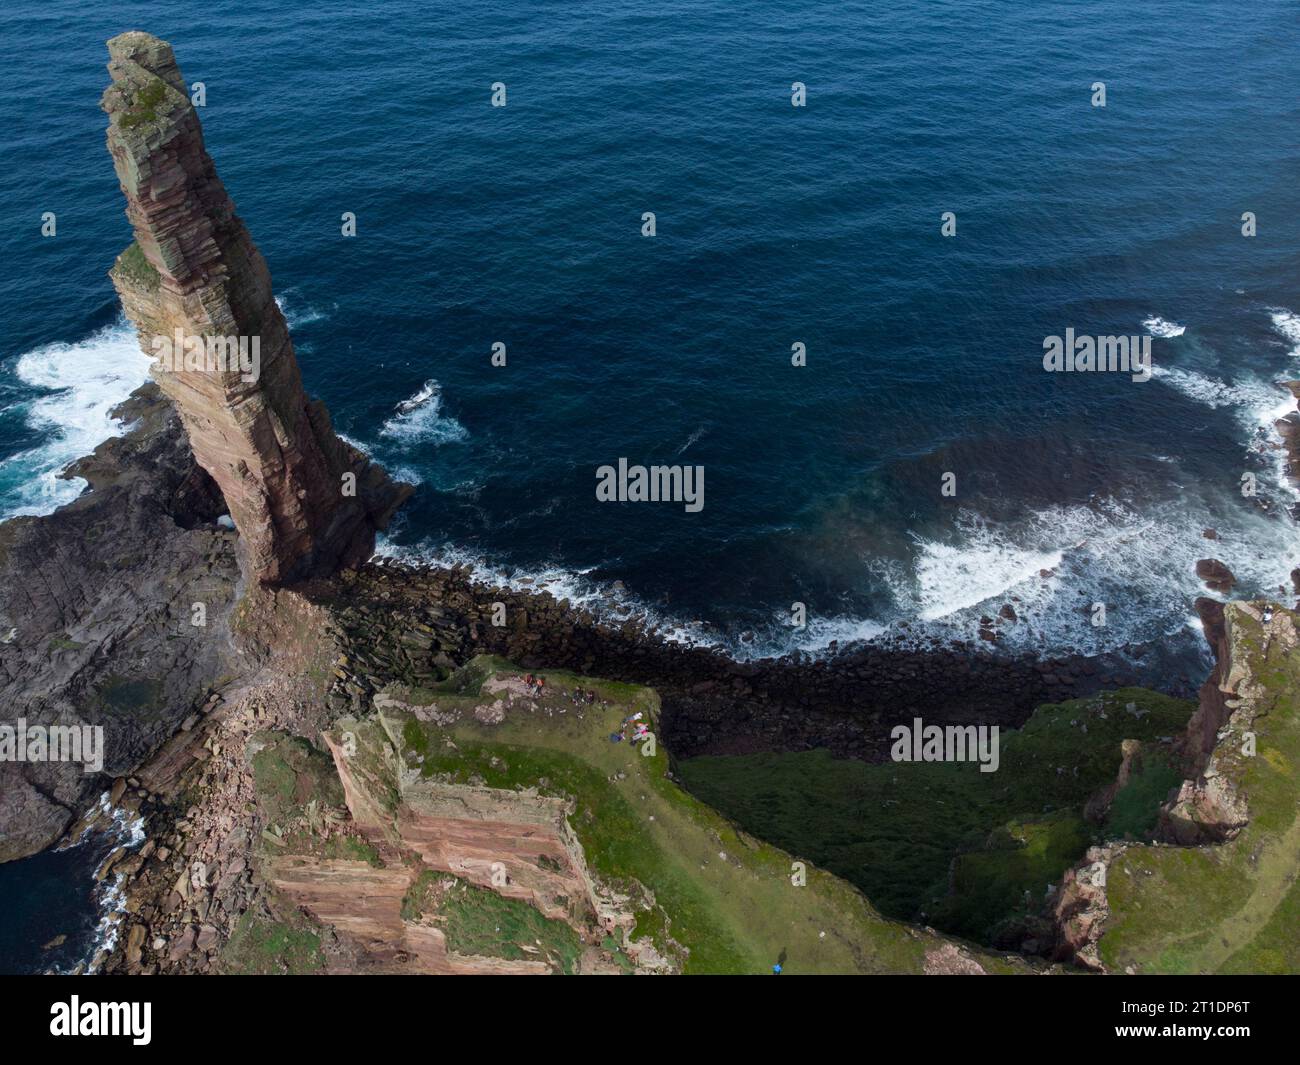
{"points": [[198, 290], [1079, 909], [1214, 890], [1131, 764], [1205, 809], [97, 616], [1209, 807]]}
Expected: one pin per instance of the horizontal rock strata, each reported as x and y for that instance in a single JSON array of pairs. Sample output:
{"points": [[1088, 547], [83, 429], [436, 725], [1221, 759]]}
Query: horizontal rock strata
{"points": [[304, 502]]}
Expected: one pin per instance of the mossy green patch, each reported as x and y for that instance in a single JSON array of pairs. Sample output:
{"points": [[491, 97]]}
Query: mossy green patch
{"points": [[1134, 810], [263, 944], [289, 772], [301, 801], [144, 106], [905, 832], [133, 265], [477, 921], [352, 848]]}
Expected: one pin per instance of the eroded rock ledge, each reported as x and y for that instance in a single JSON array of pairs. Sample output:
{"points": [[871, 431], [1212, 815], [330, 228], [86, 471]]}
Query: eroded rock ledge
{"points": [[1210, 892], [381, 844], [96, 616]]}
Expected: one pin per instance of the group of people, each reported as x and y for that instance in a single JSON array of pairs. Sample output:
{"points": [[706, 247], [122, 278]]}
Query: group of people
{"points": [[536, 686], [633, 723], [638, 727]]}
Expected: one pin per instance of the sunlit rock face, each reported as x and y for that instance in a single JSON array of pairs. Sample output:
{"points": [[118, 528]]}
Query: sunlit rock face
{"points": [[305, 503]]}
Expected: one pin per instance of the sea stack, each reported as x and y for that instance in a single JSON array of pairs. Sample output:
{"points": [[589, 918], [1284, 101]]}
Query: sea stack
{"points": [[199, 292]]}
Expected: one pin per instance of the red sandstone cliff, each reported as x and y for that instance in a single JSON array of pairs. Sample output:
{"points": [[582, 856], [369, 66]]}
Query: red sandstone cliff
{"points": [[305, 503]]}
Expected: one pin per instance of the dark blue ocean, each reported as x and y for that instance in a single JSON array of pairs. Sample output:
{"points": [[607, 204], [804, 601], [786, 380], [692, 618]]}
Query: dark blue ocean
{"points": [[776, 225]]}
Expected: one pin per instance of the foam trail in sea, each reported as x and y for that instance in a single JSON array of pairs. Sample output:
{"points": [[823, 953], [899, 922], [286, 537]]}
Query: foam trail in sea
{"points": [[693, 438], [1162, 327], [420, 419], [77, 386]]}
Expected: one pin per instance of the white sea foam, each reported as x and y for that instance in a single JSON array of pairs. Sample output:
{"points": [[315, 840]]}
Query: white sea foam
{"points": [[1287, 323], [397, 470], [80, 384], [984, 565], [115, 827], [1257, 405], [297, 314], [364, 449], [1162, 327], [110, 896], [575, 586], [420, 419], [1140, 564], [1050, 566], [817, 636]]}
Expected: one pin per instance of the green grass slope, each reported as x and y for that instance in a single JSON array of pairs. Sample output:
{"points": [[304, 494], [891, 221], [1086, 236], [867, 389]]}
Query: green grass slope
{"points": [[723, 902], [970, 853]]}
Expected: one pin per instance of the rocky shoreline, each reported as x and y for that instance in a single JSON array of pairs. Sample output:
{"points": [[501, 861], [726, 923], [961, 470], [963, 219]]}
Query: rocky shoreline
{"points": [[330, 646], [96, 608], [416, 622]]}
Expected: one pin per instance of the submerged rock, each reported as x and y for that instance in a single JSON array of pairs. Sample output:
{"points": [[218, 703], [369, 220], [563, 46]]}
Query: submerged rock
{"points": [[1215, 574]]}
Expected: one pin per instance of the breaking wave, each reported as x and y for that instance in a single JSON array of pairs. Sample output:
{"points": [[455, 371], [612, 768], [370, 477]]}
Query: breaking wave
{"points": [[1257, 404], [397, 470], [114, 828], [296, 315], [78, 385], [605, 601], [1047, 569], [1162, 327], [420, 419]]}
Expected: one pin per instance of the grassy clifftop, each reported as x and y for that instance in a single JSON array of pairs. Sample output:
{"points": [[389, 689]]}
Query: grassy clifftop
{"points": [[1231, 907], [445, 776], [1151, 874], [487, 823]]}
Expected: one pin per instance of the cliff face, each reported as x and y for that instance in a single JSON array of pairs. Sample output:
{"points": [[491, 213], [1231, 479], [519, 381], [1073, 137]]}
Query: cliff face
{"points": [[1219, 888], [199, 292]]}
